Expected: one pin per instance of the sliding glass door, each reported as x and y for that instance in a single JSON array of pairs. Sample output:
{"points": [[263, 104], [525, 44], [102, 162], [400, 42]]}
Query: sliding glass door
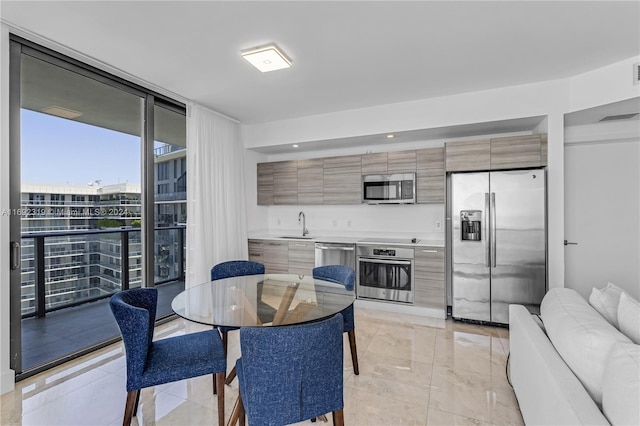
{"points": [[81, 176]]}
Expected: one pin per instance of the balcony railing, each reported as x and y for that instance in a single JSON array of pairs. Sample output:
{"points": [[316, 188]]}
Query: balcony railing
{"points": [[48, 286]]}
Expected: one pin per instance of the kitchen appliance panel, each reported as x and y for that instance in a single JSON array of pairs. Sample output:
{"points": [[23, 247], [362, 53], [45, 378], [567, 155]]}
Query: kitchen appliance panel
{"points": [[518, 274], [335, 254], [385, 272], [471, 279]]}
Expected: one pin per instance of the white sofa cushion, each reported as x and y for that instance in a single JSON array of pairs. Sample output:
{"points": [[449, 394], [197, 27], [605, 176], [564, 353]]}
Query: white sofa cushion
{"points": [[629, 317], [621, 385], [605, 300], [581, 336]]}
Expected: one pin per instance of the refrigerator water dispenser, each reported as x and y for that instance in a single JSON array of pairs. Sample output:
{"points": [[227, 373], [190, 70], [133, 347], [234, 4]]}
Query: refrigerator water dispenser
{"points": [[471, 225]]}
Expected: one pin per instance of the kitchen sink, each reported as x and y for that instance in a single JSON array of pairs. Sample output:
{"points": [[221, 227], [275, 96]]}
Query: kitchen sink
{"points": [[296, 237]]}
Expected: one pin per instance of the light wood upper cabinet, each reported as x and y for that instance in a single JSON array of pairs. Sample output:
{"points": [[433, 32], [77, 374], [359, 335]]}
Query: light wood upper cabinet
{"points": [[302, 257], [430, 175], [401, 162], [543, 150], [342, 180], [515, 152], [310, 181], [468, 155], [429, 274], [374, 164], [265, 184], [285, 182]]}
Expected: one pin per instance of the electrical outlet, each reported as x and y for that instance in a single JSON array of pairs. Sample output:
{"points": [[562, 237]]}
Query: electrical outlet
{"points": [[278, 222], [349, 223], [335, 223], [438, 224]]}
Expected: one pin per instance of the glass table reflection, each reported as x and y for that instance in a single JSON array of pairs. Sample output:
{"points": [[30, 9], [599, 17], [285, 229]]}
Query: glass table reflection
{"points": [[262, 300]]}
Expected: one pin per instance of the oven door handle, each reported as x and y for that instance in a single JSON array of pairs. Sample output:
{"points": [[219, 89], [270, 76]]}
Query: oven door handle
{"points": [[386, 262]]}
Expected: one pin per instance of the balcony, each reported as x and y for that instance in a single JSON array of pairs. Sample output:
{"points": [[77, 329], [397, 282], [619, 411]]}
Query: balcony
{"points": [[67, 280]]}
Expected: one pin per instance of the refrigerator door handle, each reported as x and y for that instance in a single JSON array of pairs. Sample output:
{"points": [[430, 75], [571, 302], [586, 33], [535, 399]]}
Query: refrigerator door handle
{"points": [[487, 238], [493, 229]]}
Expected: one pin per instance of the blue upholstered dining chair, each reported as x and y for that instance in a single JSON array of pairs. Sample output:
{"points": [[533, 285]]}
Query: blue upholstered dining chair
{"points": [[291, 373], [152, 363], [346, 276], [234, 268]]}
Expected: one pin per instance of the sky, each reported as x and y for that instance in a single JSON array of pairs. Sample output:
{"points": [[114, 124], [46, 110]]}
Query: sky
{"points": [[60, 151]]}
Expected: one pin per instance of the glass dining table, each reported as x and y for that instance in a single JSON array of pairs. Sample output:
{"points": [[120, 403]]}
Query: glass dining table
{"points": [[262, 300]]}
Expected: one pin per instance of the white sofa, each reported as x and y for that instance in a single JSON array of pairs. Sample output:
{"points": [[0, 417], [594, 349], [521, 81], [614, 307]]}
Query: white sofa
{"points": [[569, 389]]}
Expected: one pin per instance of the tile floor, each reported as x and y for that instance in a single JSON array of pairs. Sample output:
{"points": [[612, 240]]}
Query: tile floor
{"points": [[413, 371]]}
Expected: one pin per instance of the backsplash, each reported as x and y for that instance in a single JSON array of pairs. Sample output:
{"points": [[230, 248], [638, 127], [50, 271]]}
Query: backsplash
{"points": [[419, 220]]}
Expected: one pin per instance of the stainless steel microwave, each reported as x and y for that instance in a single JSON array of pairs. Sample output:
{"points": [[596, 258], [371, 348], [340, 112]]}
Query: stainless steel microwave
{"points": [[389, 189]]}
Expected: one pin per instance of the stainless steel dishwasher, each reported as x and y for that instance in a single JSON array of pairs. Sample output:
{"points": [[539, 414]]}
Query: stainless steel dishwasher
{"points": [[336, 254]]}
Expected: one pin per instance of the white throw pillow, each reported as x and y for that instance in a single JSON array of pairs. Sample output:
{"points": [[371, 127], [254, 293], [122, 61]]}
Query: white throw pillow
{"points": [[621, 385], [605, 301], [582, 337], [629, 317]]}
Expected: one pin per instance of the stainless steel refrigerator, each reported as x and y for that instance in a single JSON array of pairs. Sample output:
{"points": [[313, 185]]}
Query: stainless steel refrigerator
{"points": [[498, 235]]}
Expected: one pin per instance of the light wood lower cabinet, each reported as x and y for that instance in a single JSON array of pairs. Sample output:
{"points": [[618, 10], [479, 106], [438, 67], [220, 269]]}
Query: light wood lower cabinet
{"points": [[429, 278], [283, 257], [276, 256], [302, 257]]}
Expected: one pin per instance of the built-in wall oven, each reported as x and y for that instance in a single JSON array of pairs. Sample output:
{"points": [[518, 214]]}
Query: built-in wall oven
{"points": [[384, 270]]}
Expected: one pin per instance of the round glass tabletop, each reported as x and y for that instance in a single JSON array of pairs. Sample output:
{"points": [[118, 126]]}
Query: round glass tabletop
{"points": [[262, 300]]}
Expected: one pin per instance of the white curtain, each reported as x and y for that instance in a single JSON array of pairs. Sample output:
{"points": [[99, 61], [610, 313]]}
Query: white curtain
{"points": [[216, 214]]}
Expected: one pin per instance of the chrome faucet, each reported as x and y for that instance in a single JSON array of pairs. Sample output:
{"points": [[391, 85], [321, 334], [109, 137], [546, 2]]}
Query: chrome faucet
{"points": [[305, 231]]}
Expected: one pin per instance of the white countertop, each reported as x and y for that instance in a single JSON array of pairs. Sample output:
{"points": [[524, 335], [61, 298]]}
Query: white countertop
{"points": [[428, 242]]}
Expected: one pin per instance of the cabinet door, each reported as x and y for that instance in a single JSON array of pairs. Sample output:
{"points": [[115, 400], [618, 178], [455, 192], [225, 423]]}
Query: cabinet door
{"points": [[430, 175], [374, 164], [429, 278], [265, 184], [543, 150], [467, 155], [401, 161], [256, 250], [310, 181], [515, 152], [285, 182], [302, 257], [276, 257], [342, 180]]}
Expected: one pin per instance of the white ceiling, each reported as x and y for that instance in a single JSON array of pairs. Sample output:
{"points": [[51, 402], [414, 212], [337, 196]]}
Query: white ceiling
{"points": [[345, 54]]}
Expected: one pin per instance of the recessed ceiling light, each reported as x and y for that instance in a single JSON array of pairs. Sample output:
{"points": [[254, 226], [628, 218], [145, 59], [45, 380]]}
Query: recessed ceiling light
{"points": [[295, 145], [390, 136], [61, 112], [266, 58]]}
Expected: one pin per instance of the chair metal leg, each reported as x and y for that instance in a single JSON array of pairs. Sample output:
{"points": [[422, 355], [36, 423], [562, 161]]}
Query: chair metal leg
{"points": [[354, 351], [338, 418], [219, 383], [130, 406]]}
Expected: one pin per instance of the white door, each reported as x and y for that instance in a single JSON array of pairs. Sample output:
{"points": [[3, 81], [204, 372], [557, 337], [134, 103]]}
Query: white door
{"points": [[602, 205]]}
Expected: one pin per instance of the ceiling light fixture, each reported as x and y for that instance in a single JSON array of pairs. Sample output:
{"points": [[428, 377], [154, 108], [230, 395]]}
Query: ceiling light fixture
{"points": [[295, 145], [390, 136], [266, 58], [61, 112]]}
